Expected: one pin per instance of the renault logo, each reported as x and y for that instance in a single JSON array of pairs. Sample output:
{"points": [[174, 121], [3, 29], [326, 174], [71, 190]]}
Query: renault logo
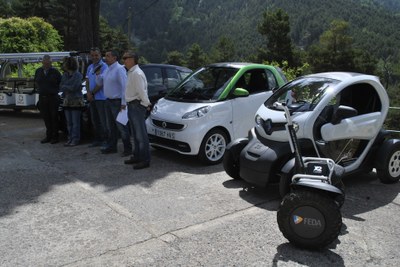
{"points": [[164, 124]]}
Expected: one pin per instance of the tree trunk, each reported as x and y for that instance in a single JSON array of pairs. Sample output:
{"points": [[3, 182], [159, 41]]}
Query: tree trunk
{"points": [[88, 12]]}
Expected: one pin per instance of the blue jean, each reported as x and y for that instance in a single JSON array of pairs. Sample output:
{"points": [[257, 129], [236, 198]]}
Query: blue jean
{"points": [[73, 117], [98, 116], [113, 107], [137, 117]]}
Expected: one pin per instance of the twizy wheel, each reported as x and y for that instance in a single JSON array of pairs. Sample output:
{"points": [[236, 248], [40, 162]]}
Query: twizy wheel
{"points": [[309, 219], [388, 170], [231, 164], [284, 183], [232, 157]]}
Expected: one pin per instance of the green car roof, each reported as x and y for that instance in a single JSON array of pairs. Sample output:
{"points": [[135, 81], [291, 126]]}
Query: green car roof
{"points": [[244, 67]]}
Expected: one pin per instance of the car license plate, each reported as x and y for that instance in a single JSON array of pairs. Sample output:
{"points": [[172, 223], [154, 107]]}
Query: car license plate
{"points": [[164, 134]]}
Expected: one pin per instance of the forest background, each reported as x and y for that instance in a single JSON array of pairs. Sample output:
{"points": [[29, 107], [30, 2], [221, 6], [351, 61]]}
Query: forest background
{"points": [[301, 36]]}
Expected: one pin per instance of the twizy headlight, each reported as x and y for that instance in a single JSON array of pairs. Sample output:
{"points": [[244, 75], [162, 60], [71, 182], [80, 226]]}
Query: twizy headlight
{"points": [[296, 127], [197, 113], [258, 119]]}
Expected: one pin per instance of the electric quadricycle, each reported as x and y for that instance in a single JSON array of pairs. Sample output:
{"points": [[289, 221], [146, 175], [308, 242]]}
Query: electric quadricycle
{"points": [[309, 134]]}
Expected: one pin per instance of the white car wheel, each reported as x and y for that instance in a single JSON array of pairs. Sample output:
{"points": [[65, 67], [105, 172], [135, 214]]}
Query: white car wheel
{"points": [[213, 147]]}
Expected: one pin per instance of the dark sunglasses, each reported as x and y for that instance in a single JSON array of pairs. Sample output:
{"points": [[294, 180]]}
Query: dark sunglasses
{"points": [[124, 58]]}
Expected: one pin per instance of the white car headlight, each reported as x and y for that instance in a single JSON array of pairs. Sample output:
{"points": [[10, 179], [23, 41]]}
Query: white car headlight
{"points": [[154, 110], [197, 113]]}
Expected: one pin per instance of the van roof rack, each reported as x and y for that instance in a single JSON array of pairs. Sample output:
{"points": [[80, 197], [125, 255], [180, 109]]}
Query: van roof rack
{"points": [[37, 56]]}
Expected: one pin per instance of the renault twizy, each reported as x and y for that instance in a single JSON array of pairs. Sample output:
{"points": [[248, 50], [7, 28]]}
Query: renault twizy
{"points": [[337, 116]]}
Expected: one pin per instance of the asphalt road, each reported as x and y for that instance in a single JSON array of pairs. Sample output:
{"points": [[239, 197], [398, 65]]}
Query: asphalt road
{"points": [[76, 207]]}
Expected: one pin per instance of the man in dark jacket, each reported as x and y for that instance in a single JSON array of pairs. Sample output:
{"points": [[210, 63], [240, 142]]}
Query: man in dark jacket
{"points": [[47, 80]]}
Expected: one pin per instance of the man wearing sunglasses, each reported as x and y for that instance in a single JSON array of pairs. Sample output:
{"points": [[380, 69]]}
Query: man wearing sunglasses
{"points": [[138, 104]]}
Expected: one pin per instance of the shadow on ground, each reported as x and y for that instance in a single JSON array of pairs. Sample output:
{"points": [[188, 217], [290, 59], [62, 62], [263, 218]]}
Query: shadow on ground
{"points": [[29, 169]]}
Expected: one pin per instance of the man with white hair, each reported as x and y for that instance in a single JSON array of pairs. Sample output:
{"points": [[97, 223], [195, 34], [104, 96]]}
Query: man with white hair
{"points": [[47, 79]]}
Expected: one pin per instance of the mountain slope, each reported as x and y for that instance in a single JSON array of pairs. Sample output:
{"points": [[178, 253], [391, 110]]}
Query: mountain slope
{"points": [[162, 26]]}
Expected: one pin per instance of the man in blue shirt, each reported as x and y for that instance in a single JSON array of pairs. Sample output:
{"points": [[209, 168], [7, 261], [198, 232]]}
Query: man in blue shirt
{"points": [[95, 95], [113, 81]]}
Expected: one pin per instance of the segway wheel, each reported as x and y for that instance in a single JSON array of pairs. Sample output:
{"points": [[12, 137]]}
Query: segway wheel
{"points": [[309, 219]]}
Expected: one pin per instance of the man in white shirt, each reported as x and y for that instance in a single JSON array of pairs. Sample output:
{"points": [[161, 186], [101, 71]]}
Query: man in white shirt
{"points": [[138, 104]]}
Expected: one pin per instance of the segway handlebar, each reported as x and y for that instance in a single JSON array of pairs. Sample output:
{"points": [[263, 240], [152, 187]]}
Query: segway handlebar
{"points": [[283, 106], [294, 145]]}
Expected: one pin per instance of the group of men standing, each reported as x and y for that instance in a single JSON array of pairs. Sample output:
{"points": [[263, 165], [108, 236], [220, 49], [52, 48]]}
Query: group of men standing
{"points": [[113, 88]]}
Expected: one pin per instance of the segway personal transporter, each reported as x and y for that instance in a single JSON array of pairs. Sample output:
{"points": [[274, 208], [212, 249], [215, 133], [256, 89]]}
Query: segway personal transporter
{"points": [[309, 215]]}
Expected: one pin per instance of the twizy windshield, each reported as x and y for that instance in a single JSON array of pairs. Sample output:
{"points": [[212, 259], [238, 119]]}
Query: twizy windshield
{"points": [[304, 93], [207, 84]]}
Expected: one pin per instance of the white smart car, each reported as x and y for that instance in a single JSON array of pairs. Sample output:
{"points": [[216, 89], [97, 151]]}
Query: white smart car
{"points": [[211, 107]]}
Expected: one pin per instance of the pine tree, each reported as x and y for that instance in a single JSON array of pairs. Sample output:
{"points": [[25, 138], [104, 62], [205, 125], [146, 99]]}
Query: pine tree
{"points": [[276, 28]]}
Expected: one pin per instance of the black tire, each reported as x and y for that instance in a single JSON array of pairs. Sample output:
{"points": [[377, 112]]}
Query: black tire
{"points": [[284, 183], [231, 160], [231, 165], [213, 147], [339, 199], [309, 219], [389, 169]]}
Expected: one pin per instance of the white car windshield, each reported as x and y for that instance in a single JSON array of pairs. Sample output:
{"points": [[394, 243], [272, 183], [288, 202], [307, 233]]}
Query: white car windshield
{"points": [[304, 92], [207, 84]]}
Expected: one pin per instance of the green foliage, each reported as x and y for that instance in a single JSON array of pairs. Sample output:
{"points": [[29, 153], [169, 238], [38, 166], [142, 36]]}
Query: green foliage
{"points": [[364, 62], [228, 30], [6, 10], [196, 57], [143, 60], [384, 70], [28, 35], [28, 70], [290, 72], [176, 24], [175, 58], [335, 52], [112, 39], [223, 51], [76, 20], [276, 28], [392, 121]]}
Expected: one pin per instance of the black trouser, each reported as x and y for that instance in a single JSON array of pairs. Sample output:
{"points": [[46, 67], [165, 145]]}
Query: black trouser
{"points": [[48, 105]]}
